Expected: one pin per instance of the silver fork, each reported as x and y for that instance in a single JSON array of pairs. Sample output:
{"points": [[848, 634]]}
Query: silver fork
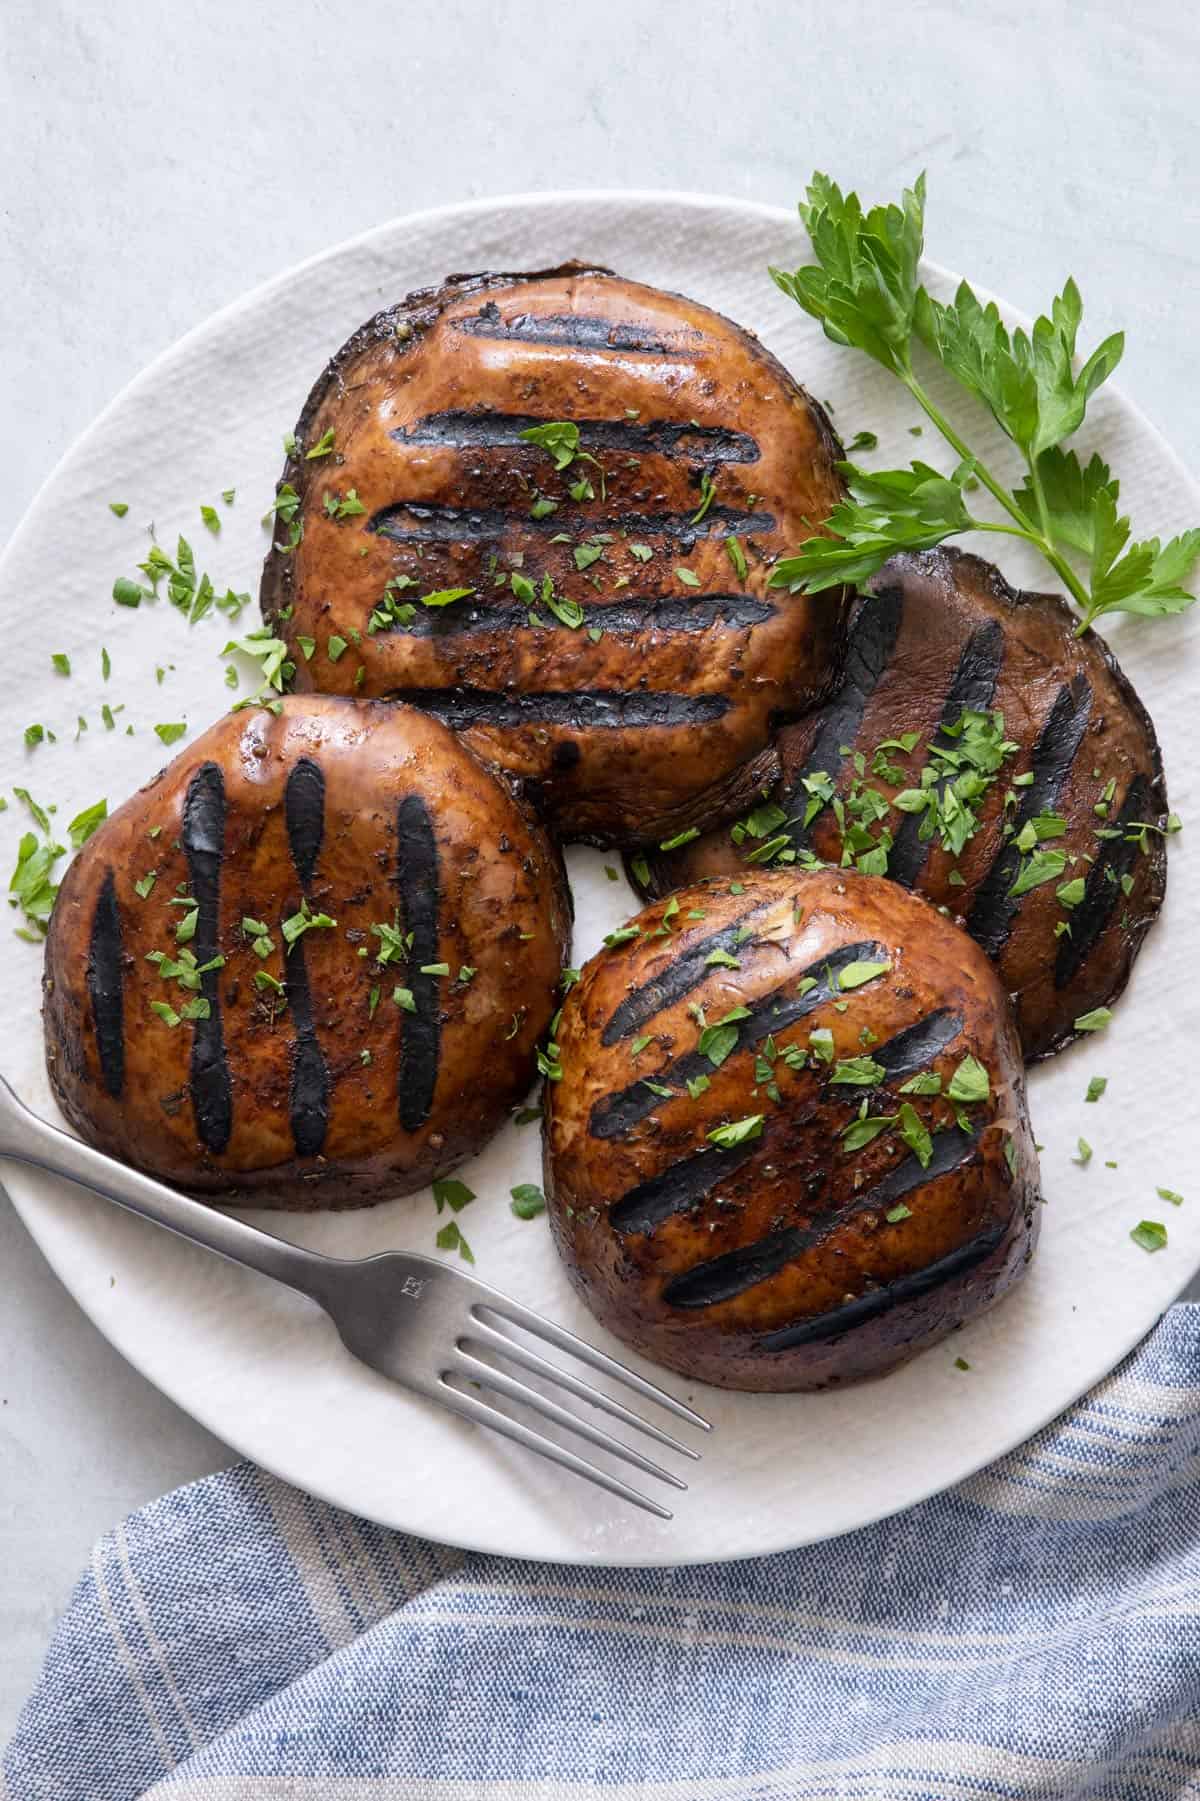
{"points": [[422, 1323]]}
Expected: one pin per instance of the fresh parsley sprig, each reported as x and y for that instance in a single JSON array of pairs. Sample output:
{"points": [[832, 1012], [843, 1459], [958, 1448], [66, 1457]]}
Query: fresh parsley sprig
{"points": [[865, 290]]}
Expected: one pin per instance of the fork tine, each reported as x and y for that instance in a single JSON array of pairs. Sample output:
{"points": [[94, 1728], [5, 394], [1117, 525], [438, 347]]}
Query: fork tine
{"points": [[516, 1315], [499, 1383], [553, 1372], [470, 1407]]}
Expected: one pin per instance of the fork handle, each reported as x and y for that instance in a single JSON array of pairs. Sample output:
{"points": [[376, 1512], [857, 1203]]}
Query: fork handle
{"points": [[29, 1139]]}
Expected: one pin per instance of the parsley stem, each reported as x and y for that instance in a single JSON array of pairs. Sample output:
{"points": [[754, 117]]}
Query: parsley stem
{"points": [[1024, 527]]}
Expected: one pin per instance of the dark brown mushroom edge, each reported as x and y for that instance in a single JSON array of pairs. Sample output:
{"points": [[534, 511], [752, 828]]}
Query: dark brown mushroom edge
{"points": [[790, 1145], [591, 612], [1031, 764], [309, 964]]}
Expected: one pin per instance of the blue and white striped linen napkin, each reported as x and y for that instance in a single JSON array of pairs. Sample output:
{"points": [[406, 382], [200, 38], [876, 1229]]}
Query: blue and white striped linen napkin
{"points": [[1034, 1633]]}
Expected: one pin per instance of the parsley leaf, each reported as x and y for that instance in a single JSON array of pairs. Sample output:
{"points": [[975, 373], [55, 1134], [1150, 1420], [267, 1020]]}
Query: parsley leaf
{"points": [[737, 1131], [863, 287], [1150, 1234], [527, 1200]]}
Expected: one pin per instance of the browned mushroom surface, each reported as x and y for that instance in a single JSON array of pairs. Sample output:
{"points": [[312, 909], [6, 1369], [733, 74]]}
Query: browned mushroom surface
{"points": [[1032, 766], [308, 965], [591, 611], [790, 1145]]}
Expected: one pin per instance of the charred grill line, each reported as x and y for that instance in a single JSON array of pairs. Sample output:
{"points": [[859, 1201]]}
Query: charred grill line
{"points": [[868, 653], [417, 881], [721, 1278], [204, 848], [308, 1100], [993, 910], [106, 986], [679, 978], [684, 1185], [436, 524], [917, 1045], [304, 811], [308, 1097], [1103, 887], [577, 331], [893, 1294], [616, 1113], [659, 613], [465, 430], [973, 687], [582, 709]]}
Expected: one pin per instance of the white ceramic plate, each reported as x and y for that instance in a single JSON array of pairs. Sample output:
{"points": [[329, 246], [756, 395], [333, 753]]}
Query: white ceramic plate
{"points": [[256, 1364]]}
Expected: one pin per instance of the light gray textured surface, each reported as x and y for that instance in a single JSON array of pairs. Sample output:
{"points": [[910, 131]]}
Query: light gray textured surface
{"points": [[155, 163]]}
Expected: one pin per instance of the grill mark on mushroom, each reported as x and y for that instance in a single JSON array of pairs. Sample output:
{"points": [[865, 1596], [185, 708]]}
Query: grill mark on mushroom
{"points": [[868, 653], [417, 881], [992, 914], [308, 1100], [918, 1044], [304, 811], [1102, 890], [973, 687], [204, 848], [429, 522], [682, 1186], [578, 331], [616, 1113], [466, 430], [687, 971], [634, 613], [721, 1278], [878, 1301], [583, 709], [106, 986]]}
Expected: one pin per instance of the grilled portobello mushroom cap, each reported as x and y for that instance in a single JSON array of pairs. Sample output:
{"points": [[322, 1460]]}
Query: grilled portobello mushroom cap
{"points": [[790, 1256], [411, 478], [944, 632], [300, 1063]]}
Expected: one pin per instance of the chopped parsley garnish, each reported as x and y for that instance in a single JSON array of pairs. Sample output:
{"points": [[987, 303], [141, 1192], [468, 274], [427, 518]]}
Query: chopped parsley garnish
{"points": [[737, 556], [895, 1214], [1150, 1235], [61, 662], [1083, 1152], [559, 437], [718, 1041], [1095, 1021], [915, 1134], [721, 959], [322, 448], [688, 577], [707, 496], [85, 823], [451, 1239], [448, 1191], [684, 837], [342, 506], [866, 1128], [1095, 1088], [969, 1083], [820, 1044], [527, 1200], [737, 1131], [853, 975], [928, 1082], [642, 552], [119, 507], [403, 998], [857, 1072], [212, 519], [171, 732], [1169, 1194], [304, 921]]}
